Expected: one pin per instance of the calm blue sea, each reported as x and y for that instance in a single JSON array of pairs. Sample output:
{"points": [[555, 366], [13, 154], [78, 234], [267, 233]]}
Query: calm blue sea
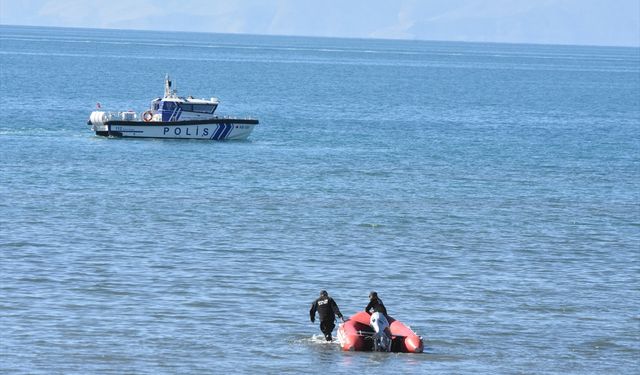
{"points": [[490, 194]]}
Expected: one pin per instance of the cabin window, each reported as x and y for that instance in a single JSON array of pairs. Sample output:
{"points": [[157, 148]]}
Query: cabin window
{"points": [[203, 108], [168, 106], [186, 107]]}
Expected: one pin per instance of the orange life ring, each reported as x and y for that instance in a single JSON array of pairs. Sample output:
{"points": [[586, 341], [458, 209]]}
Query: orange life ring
{"points": [[147, 116]]}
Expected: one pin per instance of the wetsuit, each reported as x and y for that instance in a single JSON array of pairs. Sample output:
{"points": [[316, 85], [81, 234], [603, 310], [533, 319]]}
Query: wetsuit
{"points": [[376, 305], [327, 309]]}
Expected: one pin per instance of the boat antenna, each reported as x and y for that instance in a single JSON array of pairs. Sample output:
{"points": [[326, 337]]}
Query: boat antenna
{"points": [[167, 86]]}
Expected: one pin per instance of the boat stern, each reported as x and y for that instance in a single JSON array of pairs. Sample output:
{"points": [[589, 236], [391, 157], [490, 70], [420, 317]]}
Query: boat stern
{"points": [[97, 121]]}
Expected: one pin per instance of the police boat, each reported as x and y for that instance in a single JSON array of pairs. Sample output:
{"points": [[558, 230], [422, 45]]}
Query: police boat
{"points": [[172, 116], [364, 332]]}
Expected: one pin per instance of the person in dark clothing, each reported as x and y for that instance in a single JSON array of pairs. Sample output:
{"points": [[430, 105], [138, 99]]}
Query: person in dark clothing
{"points": [[327, 310], [375, 305], [379, 321]]}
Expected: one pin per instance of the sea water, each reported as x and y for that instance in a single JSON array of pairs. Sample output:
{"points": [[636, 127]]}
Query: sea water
{"points": [[488, 192]]}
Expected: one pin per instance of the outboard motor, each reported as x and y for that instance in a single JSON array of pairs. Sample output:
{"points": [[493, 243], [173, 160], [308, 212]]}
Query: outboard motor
{"points": [[382, 336]]}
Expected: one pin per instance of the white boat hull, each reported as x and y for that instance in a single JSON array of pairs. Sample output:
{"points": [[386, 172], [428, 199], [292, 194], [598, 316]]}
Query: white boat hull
{"points": [[227, 129]]}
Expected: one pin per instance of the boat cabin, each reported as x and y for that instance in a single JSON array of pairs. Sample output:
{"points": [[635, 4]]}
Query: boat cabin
{"points": [[174, 108]]}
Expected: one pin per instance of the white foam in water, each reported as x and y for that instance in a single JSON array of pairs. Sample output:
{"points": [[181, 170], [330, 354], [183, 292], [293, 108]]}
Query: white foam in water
{"points": [[319, 339]]}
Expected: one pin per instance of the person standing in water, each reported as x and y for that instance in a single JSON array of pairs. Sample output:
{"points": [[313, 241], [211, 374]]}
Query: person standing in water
{"points": [[327, 310]]}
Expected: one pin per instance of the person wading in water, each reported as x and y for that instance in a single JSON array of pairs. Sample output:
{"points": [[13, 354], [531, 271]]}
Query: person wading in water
{"points": [[327, 310]]}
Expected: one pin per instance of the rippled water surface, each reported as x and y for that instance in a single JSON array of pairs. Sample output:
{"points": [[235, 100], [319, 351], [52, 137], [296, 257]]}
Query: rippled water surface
{"points": [[488, 192]]}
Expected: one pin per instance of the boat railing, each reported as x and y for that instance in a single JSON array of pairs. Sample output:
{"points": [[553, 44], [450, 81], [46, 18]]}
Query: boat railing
{"points": [[235, 118], [123, 115], [134, 116]]}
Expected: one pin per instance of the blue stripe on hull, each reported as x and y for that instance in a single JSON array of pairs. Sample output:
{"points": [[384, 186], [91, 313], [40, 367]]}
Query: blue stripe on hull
{"points": [[218, 131], [221, 131], [226, 132]]}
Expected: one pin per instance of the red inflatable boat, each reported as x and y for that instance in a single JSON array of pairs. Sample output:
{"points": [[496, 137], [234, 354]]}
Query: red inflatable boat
{"points": [[356, 335]]}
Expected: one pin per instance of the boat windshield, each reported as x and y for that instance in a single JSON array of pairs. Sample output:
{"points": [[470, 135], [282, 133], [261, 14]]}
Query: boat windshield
{"points": [[200, 108]]}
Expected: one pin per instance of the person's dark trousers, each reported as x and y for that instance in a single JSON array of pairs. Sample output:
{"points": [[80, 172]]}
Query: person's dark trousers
{"points": [[327, 326]]}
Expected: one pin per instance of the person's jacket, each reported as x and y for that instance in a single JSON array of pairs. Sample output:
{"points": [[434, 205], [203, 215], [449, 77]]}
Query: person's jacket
{"points": [[326, 308], [376, 305]]}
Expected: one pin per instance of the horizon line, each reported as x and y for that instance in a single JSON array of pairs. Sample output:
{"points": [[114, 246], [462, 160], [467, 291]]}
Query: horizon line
{"points": [[330, 37]]}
